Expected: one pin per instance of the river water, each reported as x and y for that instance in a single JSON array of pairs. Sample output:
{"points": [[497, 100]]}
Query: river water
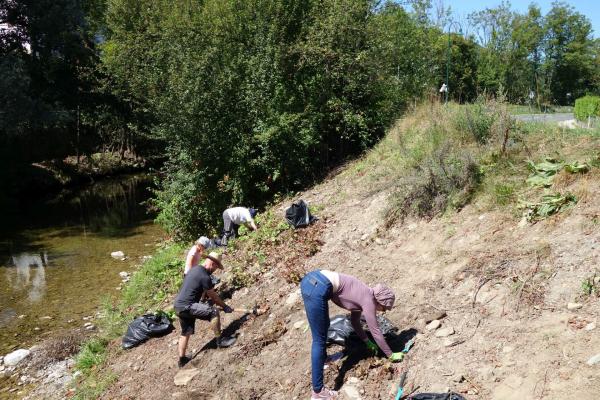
{"points": [[55, 263]]}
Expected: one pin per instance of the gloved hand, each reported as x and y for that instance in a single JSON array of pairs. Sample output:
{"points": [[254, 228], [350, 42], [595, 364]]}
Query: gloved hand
{"points": [[227, 309], [371, 346], [396, 357]]}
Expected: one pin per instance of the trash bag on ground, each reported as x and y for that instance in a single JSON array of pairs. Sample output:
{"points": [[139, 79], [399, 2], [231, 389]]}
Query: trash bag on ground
{"points": [[298, 214], [145, 327], [436, 396], [341, 330]]}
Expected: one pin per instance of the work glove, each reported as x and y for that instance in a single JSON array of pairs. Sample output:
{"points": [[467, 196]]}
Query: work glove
{"points": [[371, 346], [227, 309], [396, 357]]}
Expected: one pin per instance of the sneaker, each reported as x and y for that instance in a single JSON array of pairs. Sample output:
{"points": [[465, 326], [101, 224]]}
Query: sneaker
{"points": [[182, 361], [225, 341], [324, 394]]}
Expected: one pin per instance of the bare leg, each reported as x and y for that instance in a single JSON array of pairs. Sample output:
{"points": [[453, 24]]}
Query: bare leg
{"points": [[215, 324], [183, 342]]}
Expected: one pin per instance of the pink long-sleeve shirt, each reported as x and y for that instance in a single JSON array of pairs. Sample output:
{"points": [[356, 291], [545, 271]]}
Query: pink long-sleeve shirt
{"points": [[356, 297]]}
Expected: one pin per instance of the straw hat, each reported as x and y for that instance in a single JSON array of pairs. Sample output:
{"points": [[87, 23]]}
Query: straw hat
{"points": [[215, 257]]}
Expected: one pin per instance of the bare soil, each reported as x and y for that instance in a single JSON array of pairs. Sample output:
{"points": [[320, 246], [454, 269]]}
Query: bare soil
{"points": [[503, 284]]}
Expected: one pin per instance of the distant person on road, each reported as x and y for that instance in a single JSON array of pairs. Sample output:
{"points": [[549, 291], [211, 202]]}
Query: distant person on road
{"points": [[196, 253], [320, 286], [196, 300], [233, 218]]}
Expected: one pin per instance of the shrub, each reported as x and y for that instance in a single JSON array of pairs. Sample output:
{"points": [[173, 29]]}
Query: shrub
{"points": [[446, 177], [476, 120], [587, 107]]}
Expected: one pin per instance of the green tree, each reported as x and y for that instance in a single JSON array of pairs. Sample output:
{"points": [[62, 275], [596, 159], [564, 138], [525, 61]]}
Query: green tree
{"points": [[569, 57]]}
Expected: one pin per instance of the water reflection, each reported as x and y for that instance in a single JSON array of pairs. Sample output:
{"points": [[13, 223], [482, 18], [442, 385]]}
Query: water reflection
{"points": [[30, 274]]}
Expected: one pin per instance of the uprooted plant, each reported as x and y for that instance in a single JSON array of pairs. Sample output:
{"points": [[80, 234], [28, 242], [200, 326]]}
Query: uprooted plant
{"points": [[549, 205]]}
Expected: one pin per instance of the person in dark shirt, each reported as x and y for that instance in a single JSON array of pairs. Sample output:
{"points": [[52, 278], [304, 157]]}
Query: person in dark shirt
{"points": [[189, 305]]}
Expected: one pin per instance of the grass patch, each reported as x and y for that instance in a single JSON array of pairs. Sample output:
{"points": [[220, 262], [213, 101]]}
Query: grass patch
{"points": [[148, 289]]}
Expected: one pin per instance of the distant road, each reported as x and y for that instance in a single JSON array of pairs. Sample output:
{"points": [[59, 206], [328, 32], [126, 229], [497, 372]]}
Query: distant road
{"points": [[558, 117]]}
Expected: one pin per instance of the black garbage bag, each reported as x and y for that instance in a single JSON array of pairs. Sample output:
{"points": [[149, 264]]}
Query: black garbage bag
{"points": [[437, 396], [144, 327], [298, 214], [341, 330]]}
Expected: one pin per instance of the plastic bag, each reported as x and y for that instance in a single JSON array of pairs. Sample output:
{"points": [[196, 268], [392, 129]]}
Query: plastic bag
{"points": [[144, 327], [437, 396], [340, 328], [298, 214]]}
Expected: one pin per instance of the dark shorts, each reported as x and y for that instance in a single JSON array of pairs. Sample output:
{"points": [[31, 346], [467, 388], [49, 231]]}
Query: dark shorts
{"points": [[189, 315]]}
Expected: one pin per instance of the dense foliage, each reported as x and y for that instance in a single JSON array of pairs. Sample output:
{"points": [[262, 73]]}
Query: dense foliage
{"points": [[587, 107], [248, 99]]}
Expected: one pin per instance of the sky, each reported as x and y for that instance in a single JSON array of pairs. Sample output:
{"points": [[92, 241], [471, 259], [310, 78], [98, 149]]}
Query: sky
{"points": [[589, 8]]}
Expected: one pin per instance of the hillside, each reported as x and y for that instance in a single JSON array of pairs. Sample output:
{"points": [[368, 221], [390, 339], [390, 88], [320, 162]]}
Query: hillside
{"points": [[521, 296]]}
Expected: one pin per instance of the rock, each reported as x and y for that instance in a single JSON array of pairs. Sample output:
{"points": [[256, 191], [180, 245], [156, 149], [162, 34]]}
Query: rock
{"points": [[449, 342], [16, 357], [353, 379], [594, 360], [124, 274], [435, 315], [46, 317], [444, 332], [351, 392], [458, 378], [378, 241], [507, 349], [117, 254], [590, 327], [574, 306], [412, 227], [21, 316], [433, 325], [70, 321], [292, 298], [37, 329], [90, 328], [184, 376], [76, 374], [298, 324], [364, 237]]}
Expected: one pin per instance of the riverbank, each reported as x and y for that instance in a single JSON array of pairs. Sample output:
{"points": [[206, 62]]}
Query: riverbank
{"points": [[49, 177], [508, 283]]}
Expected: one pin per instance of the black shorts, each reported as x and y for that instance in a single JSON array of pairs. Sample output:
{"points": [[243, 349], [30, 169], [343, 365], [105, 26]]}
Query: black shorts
{"points": [[189, 315]]}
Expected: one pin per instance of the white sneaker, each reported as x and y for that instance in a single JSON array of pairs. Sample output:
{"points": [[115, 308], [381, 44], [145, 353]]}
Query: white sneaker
{"points": [[324, 394]]}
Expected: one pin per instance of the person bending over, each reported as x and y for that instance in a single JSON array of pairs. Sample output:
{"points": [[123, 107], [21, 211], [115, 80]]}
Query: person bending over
{"points": [[320, 286], [189, 305], [233, 218]]}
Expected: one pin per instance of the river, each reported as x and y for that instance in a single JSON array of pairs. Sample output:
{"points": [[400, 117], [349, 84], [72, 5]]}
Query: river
{"points": [[55, 262]]}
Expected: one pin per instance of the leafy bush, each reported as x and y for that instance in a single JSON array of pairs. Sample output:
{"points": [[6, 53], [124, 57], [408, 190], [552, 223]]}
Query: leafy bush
{"points": [[586, 107]]}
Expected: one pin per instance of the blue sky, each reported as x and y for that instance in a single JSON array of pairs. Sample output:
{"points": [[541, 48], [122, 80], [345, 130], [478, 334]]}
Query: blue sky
{"points": [[589, 8]]}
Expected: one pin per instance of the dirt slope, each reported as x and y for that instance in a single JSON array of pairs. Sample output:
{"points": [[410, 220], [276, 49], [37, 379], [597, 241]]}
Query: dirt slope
{"points": [[504, 285]]}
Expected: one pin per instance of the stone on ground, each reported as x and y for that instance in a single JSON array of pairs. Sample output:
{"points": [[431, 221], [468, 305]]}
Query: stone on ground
{"points": [[12, 359], [184, 376]]}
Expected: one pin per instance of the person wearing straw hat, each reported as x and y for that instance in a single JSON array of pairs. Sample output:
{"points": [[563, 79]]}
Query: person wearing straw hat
{"points": [[320, 286], [189, 305]]}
